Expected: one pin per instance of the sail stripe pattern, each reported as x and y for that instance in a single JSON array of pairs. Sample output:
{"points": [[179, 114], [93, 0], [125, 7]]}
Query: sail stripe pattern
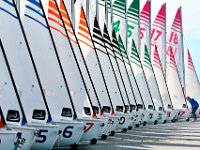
{"points": [[145, 13], [156, 59], [54, 17], [172, 60], [190, 62], [147, 61], [122, 49], [34, 7], [6, 11], [134, 58], [119, 6], [83, 32], [133, 12], [67, 23], [158, 37]]}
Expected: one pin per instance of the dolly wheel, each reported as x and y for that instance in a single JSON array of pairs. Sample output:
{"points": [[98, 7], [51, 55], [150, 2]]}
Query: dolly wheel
{"points": [[137, 125], [173, 120], [112, 133], [124, 130], [188, 119], [130, 128], [74, 146], [93, 141], [155, 122], [104, 137]]}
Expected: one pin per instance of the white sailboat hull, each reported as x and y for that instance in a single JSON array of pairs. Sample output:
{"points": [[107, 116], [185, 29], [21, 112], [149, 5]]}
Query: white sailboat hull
{"points": [[171, 115], [149, 116], [71, 133], [26, 133], [93, 129], [7, 139], [46, 136], [124, 121], [183, 114], [162, 117]]}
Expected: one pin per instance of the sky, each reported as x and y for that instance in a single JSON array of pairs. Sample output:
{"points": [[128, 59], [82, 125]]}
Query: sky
{"points": [[191, 23]]}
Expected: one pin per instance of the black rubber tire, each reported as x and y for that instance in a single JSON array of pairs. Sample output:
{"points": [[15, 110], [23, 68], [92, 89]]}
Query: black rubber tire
{"points": [[165, 121], [104, 137], [144, 124], [74, 146], [93, 141], [112, 133], [156, 122], [130, 128], [137, 125], [124, 130], [173, 120]]}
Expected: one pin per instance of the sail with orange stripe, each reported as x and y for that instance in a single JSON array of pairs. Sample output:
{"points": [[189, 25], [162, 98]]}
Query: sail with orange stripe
{"points": [[76, 83], [92, 61]]}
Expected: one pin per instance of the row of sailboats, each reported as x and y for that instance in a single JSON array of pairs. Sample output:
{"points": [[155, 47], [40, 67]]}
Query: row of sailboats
{"points": [[79, 71]]}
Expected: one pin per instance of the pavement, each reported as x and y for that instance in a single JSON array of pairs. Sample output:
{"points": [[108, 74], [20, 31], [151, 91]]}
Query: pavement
{"points": [[170, 136]]}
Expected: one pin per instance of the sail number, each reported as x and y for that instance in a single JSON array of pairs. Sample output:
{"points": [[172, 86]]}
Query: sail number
{"points": [[155, 34], [42, 137], [116, 26], [89, 126], [142, 30], [67, 133], [173, 49], [173, 38]]}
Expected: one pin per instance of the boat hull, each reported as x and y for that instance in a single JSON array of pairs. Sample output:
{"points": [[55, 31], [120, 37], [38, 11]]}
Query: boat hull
{"points": [[46, 136], [71, 133]]}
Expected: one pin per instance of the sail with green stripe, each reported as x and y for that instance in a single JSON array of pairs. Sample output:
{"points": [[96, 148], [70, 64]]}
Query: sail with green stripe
{"points": [[140, 76], [133, 25], [119, 19], [151, 80]]}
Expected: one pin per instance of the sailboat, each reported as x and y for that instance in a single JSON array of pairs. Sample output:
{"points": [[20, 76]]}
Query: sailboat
{"points": [[79, 88], [85, 106], [175, 49], [11, 105], [158, 46], [7, 137], [192, 81], [119, 23], [26, 83], [95, 127]]}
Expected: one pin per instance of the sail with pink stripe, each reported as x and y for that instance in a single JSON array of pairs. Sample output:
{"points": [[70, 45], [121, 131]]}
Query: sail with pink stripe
{"points": [[175, 42], [192, 81], [173, 83], [158, 35], [157, 67], [145, 25]]}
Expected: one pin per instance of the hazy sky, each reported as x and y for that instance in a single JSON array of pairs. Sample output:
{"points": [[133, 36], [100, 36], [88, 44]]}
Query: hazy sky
{"points": [[191, 23]]}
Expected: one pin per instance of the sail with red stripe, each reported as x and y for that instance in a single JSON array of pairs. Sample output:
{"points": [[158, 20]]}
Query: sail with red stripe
{"points": [[173, 83], [157, 67], [192, 81], [158, 36], [145, 25], [175, 43]]}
